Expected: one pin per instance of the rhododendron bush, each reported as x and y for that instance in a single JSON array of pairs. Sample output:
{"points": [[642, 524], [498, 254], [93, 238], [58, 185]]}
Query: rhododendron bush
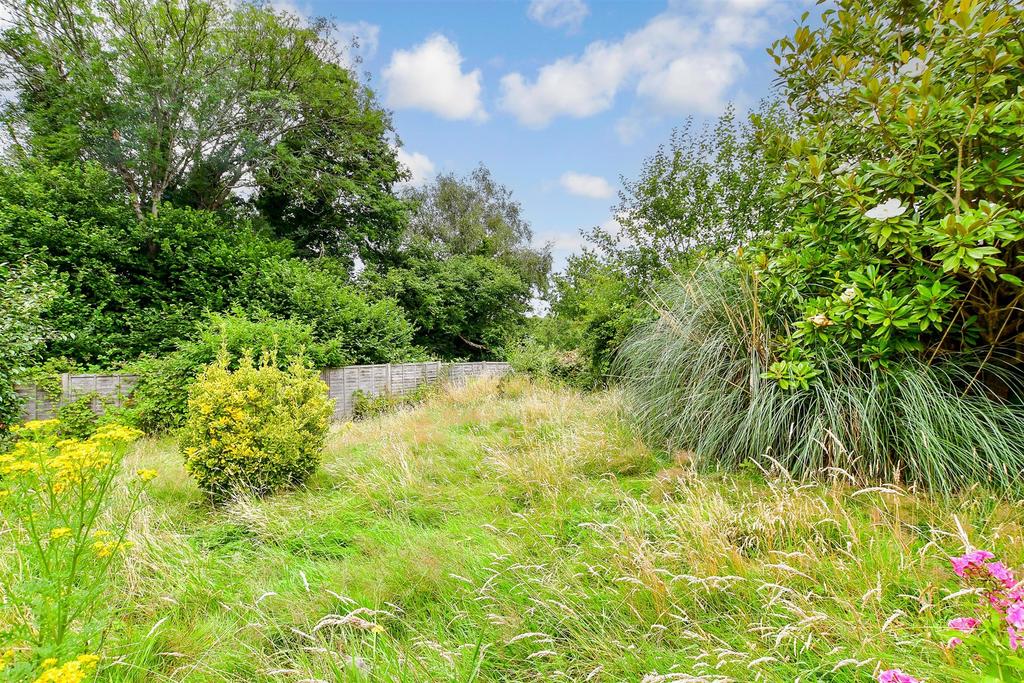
{"points": [[906, 181]]}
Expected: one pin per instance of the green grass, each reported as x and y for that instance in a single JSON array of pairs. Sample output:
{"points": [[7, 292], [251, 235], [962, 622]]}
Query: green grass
{"points": [[520, 533]]}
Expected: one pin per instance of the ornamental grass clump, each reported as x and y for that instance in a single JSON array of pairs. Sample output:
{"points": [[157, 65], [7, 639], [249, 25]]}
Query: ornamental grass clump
{"points": [[256, 429], [61, 537]]}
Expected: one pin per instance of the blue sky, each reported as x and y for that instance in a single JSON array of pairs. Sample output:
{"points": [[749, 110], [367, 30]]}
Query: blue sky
{"points": [[557, 97]]}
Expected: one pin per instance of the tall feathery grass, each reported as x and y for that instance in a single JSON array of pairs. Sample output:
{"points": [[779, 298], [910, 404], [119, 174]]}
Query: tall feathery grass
{"points": [[693, 380]]}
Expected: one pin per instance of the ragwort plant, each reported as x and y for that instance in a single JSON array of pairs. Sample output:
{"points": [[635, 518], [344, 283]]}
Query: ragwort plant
{"points": [[64, 539]]}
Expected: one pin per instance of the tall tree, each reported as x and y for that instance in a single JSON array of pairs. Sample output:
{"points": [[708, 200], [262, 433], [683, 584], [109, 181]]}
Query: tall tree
{"points": [[706, 190], [196, 99], [475, 216]]}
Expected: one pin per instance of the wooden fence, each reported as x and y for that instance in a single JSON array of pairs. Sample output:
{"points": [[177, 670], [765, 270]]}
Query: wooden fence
{"points": [[342, 384]]}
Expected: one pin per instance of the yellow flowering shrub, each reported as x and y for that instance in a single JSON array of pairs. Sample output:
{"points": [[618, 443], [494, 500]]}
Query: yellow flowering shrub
{"points": [[66, 537], [255, 429]]}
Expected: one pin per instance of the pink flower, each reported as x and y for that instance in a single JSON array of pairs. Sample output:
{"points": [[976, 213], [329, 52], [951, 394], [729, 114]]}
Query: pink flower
{"points": [[971, 560], [896, 676], [953, 642], [1016, 639], [1015, 615], [964, 624], [1001, 574]]}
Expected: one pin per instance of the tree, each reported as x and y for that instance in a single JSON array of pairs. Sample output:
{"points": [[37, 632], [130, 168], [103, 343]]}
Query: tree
{"points": [[328, 187], [132, 286], [706, 191], [474, 216], [198, 98], [462, 307], [355, 327]]}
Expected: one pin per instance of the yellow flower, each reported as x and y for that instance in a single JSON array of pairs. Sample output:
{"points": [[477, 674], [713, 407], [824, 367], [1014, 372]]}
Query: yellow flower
{"points": [[6, 657], [49, 662], [75, 671], [146, 475], [100, 533], [59, 532], [38, 425], [19, 467], [104, 548]]}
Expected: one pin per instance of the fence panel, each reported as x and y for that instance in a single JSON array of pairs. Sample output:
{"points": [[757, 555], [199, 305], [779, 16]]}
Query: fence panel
{"points": [[342, 383]]}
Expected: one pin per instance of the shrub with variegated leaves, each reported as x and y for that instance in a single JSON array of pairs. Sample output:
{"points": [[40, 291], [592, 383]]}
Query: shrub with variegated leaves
{"points": [[255, 429]]}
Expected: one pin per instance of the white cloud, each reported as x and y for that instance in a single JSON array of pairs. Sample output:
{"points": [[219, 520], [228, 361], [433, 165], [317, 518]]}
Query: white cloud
{"points": [[567, 14], [684, 60], [420, 167], [693, 82], [430, 77], [584, 185]]}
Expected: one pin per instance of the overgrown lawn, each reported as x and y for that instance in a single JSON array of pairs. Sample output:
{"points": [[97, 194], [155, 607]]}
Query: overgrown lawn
{"points": [[512, 532]]}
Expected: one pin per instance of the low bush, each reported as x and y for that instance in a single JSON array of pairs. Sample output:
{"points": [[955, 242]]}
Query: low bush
{"points": [[254, 429], [160, 398], [366, 405], [533, 357], [702, 377], [77, 419]]}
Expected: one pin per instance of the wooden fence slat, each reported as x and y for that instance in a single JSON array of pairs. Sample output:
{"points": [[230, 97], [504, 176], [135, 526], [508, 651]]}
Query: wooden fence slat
{"points": [[341, 385]]}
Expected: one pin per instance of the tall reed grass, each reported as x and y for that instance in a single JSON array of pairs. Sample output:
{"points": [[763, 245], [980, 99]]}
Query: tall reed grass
{"points": [[693, 382]]}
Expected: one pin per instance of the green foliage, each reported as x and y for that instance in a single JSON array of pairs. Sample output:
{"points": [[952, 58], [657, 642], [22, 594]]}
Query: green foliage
{"points": [[594, 306], [346, 325], [703, 193], [706, 192], [366, 405], [256, 429], [539, 360], [328, 187], [702, 377], [160, 398], [256, 95], [27, 293], [907, 181], [462, 306], [76, 419], [67, 510], [132, 287]]}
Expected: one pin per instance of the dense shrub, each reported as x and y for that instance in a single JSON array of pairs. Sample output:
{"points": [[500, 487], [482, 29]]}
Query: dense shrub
{"points": [[76, 419], [27, 294], [255, 429], [593, 308], [347, 326], [133, 286], [697, 379], [366, 405], [462, 306], [536, 358], [908, 185], [160, 397]]}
